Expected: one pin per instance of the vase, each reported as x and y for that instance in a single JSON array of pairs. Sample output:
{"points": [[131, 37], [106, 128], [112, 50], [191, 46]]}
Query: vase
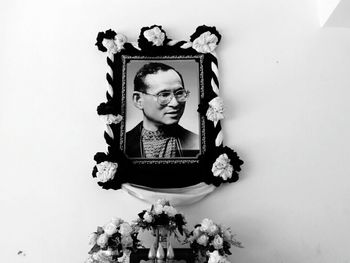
{"points": [[152, 252], [170, 252], [162, 241], [162, 235], [160, 253]]}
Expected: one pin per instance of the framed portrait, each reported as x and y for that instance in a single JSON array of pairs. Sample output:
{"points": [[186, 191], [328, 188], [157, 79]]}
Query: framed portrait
{"points": [[187, 71], [163, 113]]}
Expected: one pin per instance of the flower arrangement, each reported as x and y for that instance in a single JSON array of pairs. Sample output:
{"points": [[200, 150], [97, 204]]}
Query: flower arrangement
{"points": [[115, 241], [212, 242], [162, 214], [110, 241]]}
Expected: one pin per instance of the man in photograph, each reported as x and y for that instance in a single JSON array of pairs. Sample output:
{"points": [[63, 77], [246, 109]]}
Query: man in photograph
{"points": [[159, 92]]}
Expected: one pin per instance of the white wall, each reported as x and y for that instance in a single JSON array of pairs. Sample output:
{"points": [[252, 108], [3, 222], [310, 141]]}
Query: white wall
{"points": [[286, 84]]}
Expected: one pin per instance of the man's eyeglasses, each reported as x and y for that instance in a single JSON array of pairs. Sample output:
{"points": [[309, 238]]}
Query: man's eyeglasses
{"points": [[164, 97]]}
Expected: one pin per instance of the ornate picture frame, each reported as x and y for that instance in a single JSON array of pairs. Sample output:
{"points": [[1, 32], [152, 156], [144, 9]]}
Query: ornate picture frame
{"points": [[175, 141]]}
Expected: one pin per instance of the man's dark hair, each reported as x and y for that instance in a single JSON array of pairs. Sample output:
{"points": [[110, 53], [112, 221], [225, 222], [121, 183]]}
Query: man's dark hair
{"points": [[150, 68]]}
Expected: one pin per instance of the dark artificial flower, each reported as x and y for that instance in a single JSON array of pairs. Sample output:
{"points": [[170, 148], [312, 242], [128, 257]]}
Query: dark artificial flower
{"points": [[124, 165], [202, 29], [107, 108], [109, 34], [203, 107]]}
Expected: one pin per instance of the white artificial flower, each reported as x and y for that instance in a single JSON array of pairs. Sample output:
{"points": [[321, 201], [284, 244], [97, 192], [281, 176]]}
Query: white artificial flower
{"points": [[215, 111], [112, 48], [205, 43], [92, 239], [206, 224], [158, 209], [213, 229], [90, 260], [222, 167], [103, 256], [127, 241], [169, 210], [162, 202], [114, 45], [148, 217], [218, 242], [203, 240], [125, 229], [94, 256], [215, 257], [117, 221], [106, 171], [110, 229], [119, 41], [155, 35], [102, 240], [110, 118]]}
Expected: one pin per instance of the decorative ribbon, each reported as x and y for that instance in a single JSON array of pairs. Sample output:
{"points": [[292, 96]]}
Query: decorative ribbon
{"points": [[176, 196]]}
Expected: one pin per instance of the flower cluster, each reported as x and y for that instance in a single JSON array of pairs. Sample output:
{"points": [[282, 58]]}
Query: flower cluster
{"points": [[111, 118], [205, 43], [161, 214], [110, 41], [109, 241], [106, 171], [205, 39], [222, 167], [152, 37], [155, 35], [213, 241], [215, 111]]}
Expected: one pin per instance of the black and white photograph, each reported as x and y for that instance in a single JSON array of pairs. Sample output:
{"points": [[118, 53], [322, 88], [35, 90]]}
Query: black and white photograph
{"points": [[162, 97]]}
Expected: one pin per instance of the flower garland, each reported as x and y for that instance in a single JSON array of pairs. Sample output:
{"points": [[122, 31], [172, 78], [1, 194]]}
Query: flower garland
{"points": [[218, 166], [212, 241], [111, 241]]}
